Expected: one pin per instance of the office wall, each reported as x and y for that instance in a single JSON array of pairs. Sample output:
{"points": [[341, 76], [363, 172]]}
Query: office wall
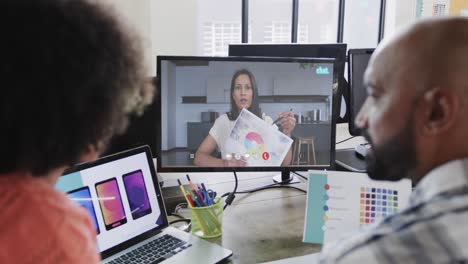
{"points": [[173, 28], [399, 13], [361, 24], [459, 7], [168, 27], [137, 14]]}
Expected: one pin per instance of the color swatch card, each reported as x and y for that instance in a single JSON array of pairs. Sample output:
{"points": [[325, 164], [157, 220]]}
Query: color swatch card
{"points": [[342, 202], [257, 142]]}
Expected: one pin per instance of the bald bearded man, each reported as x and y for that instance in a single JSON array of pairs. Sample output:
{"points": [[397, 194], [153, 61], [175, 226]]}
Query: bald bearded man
{"points": [[416, 119]]}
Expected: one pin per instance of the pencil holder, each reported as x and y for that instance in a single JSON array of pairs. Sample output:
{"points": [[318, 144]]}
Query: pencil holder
{"points": [[207, 221]]}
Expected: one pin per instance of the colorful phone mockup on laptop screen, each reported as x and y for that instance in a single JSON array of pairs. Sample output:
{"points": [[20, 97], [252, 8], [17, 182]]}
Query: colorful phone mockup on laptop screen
{"points": [[82, 196], [137, 194], [110, 202]]}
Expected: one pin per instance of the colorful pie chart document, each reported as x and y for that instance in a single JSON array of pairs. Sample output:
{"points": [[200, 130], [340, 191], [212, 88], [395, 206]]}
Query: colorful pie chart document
{"points": [[257, 142], [341, 202]]}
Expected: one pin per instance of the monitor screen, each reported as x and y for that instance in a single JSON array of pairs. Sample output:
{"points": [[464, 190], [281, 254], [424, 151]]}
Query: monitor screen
{"points": [[357, 64], [248, 113], [335, 50]]}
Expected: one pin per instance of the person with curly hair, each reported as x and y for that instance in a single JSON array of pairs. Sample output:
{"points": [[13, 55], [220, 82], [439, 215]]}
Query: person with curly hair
{"points": [[71, 73]]}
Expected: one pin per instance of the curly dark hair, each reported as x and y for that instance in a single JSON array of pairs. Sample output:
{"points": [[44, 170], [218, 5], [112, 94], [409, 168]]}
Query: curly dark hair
{"points": [[255, 107], [70, 74]]}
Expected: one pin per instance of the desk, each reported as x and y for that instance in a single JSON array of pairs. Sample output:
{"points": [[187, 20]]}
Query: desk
{"points": [[342, 133], [262, 226], [345, 156], [266, 225]]}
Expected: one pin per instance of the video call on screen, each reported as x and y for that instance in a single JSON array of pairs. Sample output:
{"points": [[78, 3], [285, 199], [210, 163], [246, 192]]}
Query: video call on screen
{"points": [[194, 94]]}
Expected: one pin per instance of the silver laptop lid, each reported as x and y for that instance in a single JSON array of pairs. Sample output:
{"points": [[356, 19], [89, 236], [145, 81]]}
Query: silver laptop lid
{"points": [[121, 194]]}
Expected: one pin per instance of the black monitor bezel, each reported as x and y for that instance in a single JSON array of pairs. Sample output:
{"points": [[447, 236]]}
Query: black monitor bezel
{"points": [[280, 50], [353, 130], [331, 166], [145, 235]]}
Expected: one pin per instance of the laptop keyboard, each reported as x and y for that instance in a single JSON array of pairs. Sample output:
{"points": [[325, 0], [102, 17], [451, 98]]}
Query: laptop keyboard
{"points": [[155, 251]]}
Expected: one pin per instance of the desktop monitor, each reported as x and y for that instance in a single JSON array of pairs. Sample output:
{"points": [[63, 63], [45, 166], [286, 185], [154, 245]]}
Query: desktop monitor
{"points": [[199, 104], [336, 51], [357, 64]]}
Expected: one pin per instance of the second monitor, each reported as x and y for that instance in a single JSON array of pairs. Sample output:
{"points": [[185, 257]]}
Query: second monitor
{"points": [[288, 121], [357, 64], [352, 159], [336, 51]]}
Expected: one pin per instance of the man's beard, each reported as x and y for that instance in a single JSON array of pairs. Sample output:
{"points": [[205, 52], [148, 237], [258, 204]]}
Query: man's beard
{"points": [[393, 160]]}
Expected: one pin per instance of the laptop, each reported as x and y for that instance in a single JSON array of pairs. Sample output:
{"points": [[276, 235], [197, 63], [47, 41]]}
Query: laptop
{"points": [[123, 197]]}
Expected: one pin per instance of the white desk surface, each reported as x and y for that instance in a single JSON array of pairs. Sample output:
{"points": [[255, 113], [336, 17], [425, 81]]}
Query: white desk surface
{"points": [[342, 133]]}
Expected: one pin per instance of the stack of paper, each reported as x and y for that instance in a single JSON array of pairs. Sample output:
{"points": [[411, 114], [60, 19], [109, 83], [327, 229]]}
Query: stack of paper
{"points": [[258, 143]]}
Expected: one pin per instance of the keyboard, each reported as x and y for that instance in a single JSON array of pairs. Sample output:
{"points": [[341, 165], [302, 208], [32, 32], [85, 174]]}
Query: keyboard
{"points": [[155, 251]]}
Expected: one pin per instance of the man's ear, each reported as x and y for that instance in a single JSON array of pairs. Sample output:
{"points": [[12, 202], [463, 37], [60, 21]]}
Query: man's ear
{"points": [[440, 110], [90, 154]]}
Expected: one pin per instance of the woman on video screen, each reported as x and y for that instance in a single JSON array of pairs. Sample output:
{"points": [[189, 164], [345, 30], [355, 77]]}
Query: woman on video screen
{"points": [[244, 94]]}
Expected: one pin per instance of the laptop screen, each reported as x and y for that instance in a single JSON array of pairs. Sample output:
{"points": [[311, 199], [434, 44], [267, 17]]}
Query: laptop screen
{"points": [[119, 194]]}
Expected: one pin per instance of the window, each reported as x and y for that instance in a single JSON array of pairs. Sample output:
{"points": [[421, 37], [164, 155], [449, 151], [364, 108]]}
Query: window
{"points": [[219, 24], [361, 23], [277, 32], [318, 21], [270, 21], [218, 35], [303, 33]]}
